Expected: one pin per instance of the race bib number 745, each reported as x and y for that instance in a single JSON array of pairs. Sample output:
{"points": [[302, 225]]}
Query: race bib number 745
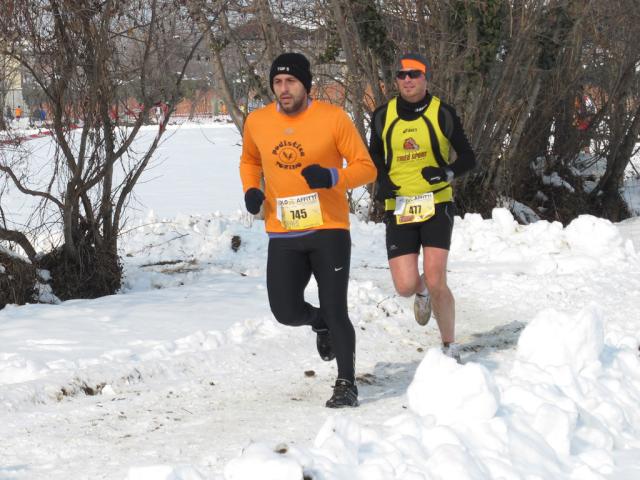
{"points": [[300, 212]]}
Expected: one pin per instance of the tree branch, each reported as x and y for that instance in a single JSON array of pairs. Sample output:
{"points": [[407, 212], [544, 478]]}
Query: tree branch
{"points": [[20, 239]]}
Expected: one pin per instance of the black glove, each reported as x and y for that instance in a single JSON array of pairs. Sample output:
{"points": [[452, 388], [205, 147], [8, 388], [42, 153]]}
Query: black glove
{"points": [[437, 174], [317, 176], [253, 199], [386, 188]]}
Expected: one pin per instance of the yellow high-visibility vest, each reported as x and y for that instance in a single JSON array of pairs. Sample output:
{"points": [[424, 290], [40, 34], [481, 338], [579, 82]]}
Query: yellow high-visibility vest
{"points": [[411, 145]]}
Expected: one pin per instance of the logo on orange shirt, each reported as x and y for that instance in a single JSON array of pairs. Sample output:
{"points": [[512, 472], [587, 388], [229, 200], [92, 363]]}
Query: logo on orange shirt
{"points": [[289, 154]]}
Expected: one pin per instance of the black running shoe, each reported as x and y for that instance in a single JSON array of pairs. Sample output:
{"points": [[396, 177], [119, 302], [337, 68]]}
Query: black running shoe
{"points": [[324, 345], [345, 394]]}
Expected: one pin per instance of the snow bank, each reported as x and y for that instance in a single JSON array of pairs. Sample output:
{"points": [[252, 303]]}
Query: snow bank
{"points": [[452, 392], [555, 339], [196, 242], [164, 472], [259, 461], [542, 247], [564, 409]]}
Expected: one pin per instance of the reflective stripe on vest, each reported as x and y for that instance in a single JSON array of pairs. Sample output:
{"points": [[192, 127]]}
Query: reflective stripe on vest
{"points": [[411, 145]]}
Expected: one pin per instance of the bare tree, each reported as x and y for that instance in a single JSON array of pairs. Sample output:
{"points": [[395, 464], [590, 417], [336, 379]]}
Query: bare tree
{"points": [[86, 58], [514, 71], [614, 67]]}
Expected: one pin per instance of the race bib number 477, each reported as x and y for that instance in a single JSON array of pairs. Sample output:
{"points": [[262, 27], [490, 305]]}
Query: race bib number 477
{"points": [[414, 209], [300, 212]]}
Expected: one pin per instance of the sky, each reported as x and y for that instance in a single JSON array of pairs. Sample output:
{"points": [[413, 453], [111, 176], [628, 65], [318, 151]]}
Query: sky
{"points": [[186, 375]]}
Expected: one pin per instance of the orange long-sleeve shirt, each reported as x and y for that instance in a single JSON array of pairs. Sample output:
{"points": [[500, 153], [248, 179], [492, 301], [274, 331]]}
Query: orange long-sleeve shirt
{"points": [[279, 146]]}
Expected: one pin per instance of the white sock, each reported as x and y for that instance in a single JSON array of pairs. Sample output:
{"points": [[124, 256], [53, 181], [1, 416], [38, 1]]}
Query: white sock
{"points": [[425, 292]]}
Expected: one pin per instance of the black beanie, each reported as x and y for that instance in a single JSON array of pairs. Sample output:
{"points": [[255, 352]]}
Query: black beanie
{"points": [[294, 64]]}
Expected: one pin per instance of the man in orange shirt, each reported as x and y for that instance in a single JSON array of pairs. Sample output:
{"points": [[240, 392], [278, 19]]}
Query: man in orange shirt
{"points": [[299, 145]]}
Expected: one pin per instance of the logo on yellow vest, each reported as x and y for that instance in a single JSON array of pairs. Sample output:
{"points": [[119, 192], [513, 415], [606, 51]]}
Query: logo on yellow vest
{"points": [[410, 144], [413, 151]]}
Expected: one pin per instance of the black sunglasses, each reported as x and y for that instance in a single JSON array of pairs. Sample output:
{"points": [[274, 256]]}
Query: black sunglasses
{"points": [[413, 74]]}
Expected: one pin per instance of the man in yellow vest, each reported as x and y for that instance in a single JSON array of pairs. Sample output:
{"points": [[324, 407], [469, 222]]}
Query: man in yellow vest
{"points": [[411, 140]]}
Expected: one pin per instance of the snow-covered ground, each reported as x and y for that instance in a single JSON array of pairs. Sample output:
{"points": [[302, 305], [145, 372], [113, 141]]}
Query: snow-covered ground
{"points": [[186, 375]]}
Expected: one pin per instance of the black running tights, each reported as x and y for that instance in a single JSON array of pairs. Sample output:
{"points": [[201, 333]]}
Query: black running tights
{"points": [[291, 261]]}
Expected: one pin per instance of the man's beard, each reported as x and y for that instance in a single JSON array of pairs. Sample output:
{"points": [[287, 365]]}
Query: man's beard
{"points": [[295, 107]]}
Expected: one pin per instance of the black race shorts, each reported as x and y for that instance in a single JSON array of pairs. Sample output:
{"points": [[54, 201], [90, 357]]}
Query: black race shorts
{"points": [[434, 232]]}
